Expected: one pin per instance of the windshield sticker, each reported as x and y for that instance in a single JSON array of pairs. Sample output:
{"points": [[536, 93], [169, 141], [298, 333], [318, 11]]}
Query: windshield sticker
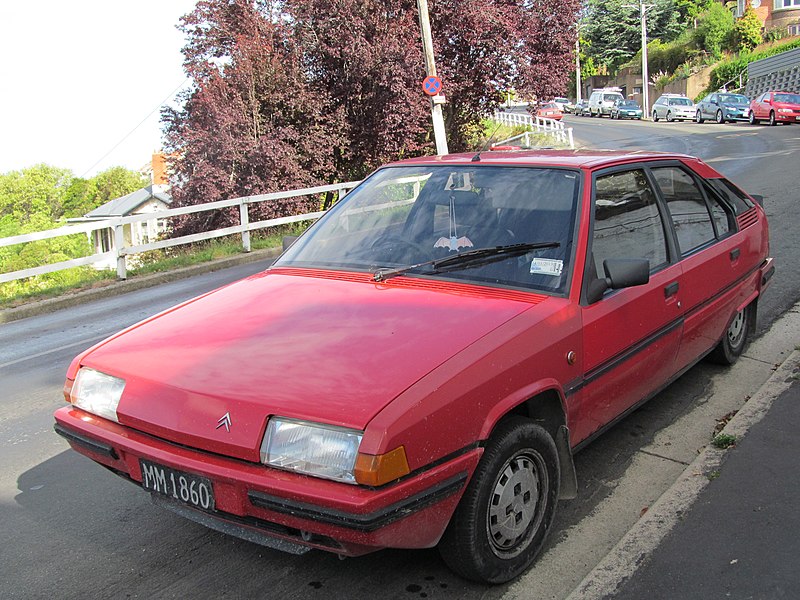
{"points": [[547, 266]]}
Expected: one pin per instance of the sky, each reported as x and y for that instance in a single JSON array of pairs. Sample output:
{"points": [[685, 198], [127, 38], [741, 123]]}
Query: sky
{"points": [[84, 79]]}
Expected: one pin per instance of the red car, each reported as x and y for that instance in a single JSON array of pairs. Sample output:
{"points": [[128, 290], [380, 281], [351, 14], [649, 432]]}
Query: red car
{"points": [[549, 110], [775, 107], [421, 365]]}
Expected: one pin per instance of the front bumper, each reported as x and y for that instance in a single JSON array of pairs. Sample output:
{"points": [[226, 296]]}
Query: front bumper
{"points": [[787, 117], [283, 510], [735, 115]]}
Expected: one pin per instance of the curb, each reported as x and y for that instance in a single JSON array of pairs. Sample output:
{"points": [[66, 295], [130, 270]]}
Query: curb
{"points": [[117, 288], [633, 549]]}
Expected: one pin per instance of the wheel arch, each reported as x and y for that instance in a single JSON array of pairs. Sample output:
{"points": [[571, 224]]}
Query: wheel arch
{"points": [[547, 408]]}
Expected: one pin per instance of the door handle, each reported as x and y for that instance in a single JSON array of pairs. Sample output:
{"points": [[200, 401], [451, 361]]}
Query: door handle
{"points": [[735, 253], [671, 289]]}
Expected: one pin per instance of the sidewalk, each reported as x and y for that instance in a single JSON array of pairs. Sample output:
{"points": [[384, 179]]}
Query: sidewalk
{"points": [[730, 526]]}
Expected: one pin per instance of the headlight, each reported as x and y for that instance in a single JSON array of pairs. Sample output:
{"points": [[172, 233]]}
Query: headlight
{"points": [[323, 451], [785, 110], [97, 393]]}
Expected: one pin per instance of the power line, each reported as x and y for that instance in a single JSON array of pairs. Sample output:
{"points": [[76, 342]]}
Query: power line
{"points": [[131, 132]]}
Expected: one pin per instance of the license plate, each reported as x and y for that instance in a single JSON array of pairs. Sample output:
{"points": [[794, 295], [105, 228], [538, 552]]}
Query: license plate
{"points": [[184, 487]]}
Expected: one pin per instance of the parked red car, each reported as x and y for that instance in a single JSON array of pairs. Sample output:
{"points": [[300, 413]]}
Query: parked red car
{"points": [[421, 365], [550, 110], [775, 107]]}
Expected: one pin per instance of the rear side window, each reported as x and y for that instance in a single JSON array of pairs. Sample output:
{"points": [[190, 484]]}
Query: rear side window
{"points": [[735, 197], [627, 223], [687, 208]]}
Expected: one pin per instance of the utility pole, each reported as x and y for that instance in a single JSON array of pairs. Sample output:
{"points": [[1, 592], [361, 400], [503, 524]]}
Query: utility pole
{"points": [[645, 74], [430, 69], [578, 69]]}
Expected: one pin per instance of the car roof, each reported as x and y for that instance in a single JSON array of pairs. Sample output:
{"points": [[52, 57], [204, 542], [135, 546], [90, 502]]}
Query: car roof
{"points": [[581, 159]]}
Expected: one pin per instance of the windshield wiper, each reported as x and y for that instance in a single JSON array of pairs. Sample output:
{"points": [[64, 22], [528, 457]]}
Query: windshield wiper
{"points": [[467, 259]]}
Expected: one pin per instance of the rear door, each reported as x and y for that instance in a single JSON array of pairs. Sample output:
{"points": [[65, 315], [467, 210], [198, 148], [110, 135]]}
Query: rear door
{"points": [[715, 259], [631, 336], [761, 109]]}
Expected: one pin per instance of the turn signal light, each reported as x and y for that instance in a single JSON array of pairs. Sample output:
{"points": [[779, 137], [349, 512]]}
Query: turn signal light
{"points": [[376, 470], [68, 389]]}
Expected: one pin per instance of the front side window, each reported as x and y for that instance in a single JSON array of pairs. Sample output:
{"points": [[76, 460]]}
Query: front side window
{"points": [[405, 217], [687, 208], [627, 223]]}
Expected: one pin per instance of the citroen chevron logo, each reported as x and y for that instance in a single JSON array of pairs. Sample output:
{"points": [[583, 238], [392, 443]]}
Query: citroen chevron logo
{"points": [[225, 421]]}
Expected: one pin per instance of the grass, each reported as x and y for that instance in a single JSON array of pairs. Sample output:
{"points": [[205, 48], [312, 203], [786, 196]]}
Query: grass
{"points": [[723, 441], [51, 285]]}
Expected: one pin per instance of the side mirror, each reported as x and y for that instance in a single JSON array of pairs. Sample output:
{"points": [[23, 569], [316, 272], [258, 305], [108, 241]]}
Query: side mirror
{"points": [[620, 273], [758, 198]]}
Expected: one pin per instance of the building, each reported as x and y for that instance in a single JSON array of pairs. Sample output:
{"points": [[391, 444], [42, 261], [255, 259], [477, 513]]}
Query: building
{"points": [[774, 14], [146, 200]]}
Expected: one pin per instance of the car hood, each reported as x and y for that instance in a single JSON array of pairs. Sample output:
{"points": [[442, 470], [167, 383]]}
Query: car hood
{"points": [[327, 347]]}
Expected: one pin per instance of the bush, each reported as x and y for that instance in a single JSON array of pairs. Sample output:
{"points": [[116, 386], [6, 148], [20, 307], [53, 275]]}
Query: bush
{"points": [[715, 29], [747, 30], [731, 69]]}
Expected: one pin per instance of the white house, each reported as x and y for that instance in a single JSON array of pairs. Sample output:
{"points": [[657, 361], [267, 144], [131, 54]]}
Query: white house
{"points": [[146, 200]]}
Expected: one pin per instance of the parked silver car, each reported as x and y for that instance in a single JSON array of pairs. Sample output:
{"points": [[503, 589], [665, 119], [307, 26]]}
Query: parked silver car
{"points": [[673, 107]]}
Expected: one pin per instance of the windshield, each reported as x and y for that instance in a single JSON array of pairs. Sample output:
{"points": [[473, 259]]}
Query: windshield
{"points": [[406, 216], [680, 102], [788, 98], [610, 97], [733, 99]]}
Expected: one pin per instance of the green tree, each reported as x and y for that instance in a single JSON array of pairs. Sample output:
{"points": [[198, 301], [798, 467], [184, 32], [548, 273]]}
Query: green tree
{"points": [[83, 195], [690, 10], [714, 30], [35, 191], [747, 30], [614, 28]]}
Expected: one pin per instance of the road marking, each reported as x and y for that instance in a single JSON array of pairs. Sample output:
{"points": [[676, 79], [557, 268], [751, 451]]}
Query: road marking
{"points": [[86, 341]]}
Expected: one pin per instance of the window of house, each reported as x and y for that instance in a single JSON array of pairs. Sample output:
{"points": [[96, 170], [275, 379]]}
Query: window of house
{"points": [[687, 208], [627, 223], [779, 4], [105, 240]]}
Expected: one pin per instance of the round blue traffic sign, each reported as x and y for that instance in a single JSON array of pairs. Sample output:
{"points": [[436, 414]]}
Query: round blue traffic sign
{"points": [[431, 85]]}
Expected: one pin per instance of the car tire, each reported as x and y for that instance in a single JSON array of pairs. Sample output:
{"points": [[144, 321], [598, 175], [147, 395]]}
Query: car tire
{"points": [[518, 474], [655, 117], [699, 117], [772, 118], [751, 118], [670, 118], [734, 341], [720, 117]]}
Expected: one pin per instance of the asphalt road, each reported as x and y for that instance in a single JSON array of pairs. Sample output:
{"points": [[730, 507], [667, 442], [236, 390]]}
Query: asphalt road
{"points": [[70, 529]]}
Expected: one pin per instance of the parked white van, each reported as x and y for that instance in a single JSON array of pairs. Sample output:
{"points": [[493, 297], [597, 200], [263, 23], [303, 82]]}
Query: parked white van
{"points": [[602, 99]]}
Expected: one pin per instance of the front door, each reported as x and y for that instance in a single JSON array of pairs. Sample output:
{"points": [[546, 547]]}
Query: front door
{"points": [[631, 336]]}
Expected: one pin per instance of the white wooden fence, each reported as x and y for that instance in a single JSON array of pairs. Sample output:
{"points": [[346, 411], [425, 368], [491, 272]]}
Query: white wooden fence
{"points": [[121, 251], [549, 127]]}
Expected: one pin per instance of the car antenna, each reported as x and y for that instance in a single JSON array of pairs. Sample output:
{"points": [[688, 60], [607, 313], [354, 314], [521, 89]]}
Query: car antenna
{"points": [[477, 157]]}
